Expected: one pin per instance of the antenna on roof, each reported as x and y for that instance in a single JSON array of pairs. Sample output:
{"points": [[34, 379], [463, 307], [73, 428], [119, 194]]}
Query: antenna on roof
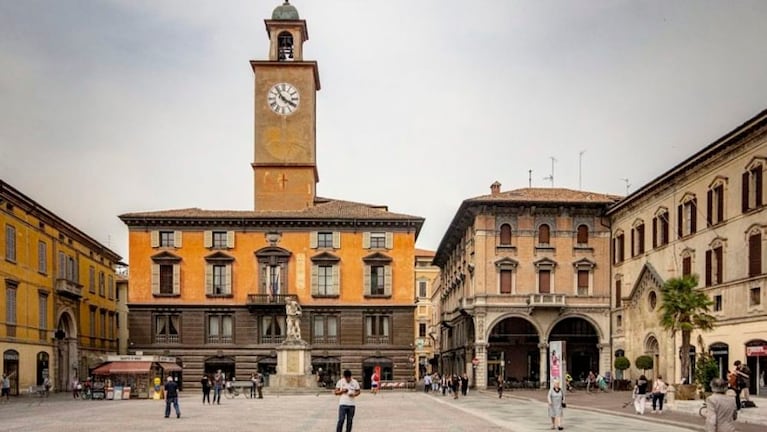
{"points": [[529, 178], [628, 185], [550, 177]]}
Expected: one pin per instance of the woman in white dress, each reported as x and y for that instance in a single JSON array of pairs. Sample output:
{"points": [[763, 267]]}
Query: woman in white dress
{"points": [[556, 398]]}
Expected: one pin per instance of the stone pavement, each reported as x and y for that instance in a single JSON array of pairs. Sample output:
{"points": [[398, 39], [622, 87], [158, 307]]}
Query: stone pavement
{"points": [[518, 411], [682, 413]]}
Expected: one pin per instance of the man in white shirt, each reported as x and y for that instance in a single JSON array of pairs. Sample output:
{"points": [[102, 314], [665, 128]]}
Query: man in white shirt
{"points": [[348, 388]]}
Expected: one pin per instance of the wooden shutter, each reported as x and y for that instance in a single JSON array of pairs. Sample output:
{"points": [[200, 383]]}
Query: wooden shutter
{"points": [[208, 278], [154, 238], [366, 280], [680, 221], [176, 279], [336, 240], [622, 247], [155, 278], [744, 192], [505, 235], [654, 232], [313, 240], [230, 239], [366, 240], [719, 191], [686, 266], [336, 279], [389, 240], [618, 293], [177, 239], [583, 278], [543, 234], [665, 224], [632, 242], [228, 279], [754, 255], [693, 215], [708, 267], [709, 207], [207, 239], [583, 234], [719, 265], [544, 281], [757, 172], [640, 233], [315, 280], [387, 280], [505, 281]]}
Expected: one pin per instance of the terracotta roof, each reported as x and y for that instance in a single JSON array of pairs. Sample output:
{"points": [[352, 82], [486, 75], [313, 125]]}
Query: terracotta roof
{"points": [[549, 195], [324, 208]]}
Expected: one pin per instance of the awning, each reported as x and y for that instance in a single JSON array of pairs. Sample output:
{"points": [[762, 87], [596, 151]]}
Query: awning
{"points": [[170, 367], [123, 368]]}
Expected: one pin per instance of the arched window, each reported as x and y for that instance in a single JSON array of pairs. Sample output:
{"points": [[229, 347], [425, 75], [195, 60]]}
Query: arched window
{"points": [[285, 46], [543, 234], [505, 235], [583, 235]]}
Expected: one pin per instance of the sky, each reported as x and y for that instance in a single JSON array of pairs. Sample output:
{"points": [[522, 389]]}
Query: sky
{"points": [[116, 106]]}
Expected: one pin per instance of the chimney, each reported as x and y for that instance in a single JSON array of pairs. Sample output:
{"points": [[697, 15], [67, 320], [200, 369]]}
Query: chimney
{"points": [[495, 188]]}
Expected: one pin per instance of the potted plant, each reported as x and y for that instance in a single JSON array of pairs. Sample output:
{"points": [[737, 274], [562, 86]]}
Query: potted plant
{"points": [[621, 364]]}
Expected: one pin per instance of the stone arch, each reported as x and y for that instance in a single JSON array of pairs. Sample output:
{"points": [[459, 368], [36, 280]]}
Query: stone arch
{"points": [[66, 349], [513, 350], [584, 339]]}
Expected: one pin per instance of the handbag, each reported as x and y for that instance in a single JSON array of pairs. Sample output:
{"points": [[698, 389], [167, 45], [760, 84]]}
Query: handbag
{"points": [[564, 405]]}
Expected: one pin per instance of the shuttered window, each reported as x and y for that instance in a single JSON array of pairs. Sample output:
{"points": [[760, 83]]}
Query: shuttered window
{"points": [[687, 266], [583, 282], [10, 243], [582, 237], [42, 257], [505, 235], [754, 254], [618, 293], [752, 188], [715, 205], [506, 279], [544, 234], [544, 281]]}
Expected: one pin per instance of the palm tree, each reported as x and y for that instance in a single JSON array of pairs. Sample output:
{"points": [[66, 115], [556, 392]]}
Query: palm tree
{"points": [[685, 309]]}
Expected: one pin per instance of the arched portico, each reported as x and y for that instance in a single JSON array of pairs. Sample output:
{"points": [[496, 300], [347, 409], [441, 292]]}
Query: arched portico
{"points": [[66, 350], [583, 345], [513, 351]]}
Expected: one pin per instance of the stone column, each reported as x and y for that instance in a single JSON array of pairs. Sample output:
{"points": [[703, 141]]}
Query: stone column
{"points": [[480, 371], [543, 367], [605, 357]]}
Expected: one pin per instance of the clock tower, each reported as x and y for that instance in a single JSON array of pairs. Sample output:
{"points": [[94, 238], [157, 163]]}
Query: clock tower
{"points": [[285, 164]]}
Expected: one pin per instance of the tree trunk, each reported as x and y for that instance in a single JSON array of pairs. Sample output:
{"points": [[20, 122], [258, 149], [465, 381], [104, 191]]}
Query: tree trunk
{"points": [[684, 356]]}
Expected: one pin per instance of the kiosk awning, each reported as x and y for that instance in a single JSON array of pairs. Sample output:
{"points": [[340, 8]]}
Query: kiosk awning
{"points": [[170, 367], [124, 367]]}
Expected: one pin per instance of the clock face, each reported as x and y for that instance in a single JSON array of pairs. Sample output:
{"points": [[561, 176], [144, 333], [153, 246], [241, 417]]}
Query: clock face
{"points": [[283, 98]]}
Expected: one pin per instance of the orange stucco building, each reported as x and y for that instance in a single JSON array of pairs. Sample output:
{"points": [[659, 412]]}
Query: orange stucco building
{"points": [[210, 286]]}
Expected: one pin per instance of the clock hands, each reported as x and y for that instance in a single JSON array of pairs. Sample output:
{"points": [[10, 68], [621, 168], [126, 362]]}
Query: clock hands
{"points": [[288, 101]]}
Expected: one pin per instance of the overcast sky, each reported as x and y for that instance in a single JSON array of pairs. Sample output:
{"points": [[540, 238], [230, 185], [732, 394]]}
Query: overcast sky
{"points": [[116, 106]]}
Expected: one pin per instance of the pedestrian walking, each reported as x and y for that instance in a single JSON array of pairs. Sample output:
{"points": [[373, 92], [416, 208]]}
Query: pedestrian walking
{"points": [[556, 398], [720, 409], [427, 383], [206, 384], [218, 384], [348, 388], [640, 394], [455, 385], [6, 392], [253, 385], [464, 384], [659, 389], [47, 386], [76, 387], [260, 384], [171, 397], [499, 385], [375, 382]]}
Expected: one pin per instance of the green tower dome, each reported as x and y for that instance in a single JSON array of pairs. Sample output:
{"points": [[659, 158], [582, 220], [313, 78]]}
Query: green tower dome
{"points": [[285, 11]]}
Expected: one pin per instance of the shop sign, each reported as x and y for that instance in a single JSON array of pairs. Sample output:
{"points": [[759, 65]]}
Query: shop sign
{"points": [[756, 351]]}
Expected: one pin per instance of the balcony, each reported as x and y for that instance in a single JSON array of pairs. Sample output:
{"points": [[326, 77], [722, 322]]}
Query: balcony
{"points": [[547, 300], [269, 299], [69, 288]]}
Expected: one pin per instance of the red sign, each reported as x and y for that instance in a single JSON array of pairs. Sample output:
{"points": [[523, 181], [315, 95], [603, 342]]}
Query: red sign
{"points": [[756, 351], [475, 361]]}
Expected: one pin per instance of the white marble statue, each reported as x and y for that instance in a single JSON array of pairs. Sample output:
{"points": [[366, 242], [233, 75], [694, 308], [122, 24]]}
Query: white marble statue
{"points": [[293, 311]]}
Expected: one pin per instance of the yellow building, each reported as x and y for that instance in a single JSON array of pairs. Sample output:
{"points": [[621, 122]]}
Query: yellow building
{"points": [[58, 319], [210, 286], [704, 216], [427, 329]]}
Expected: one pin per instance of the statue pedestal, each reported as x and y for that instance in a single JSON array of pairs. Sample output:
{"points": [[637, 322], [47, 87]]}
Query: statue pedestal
{"points": [[294, 366]]}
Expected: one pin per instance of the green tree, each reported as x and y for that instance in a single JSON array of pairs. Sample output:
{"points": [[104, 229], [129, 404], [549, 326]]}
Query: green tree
{"points": [[685, 309], [621, 364], [644, 362]]}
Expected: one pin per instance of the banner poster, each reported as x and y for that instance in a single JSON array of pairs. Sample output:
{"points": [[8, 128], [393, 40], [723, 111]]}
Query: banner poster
{"points": [[557, 363]]}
